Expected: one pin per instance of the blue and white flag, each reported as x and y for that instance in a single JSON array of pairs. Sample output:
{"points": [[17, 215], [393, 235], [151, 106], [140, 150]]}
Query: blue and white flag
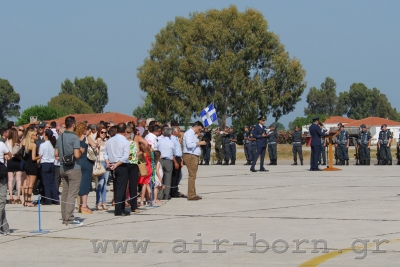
{"points": [[209, 115]]}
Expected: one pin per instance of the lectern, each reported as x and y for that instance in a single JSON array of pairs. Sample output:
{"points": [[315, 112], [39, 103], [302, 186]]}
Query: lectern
{"points": [[332, 134]]}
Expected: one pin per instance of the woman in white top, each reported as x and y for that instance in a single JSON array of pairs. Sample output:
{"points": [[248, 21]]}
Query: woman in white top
{"points": [[101, 189], [46, 154], [4, 153], [14, 166]]}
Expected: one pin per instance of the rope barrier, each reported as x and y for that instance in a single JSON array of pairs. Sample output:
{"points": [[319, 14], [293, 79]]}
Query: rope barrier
{"points": [[81, 204]]}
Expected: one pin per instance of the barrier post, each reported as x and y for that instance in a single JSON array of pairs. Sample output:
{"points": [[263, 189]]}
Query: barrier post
{"points": [[40, 230]]}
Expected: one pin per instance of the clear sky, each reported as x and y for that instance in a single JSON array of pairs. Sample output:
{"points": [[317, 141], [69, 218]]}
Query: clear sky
{"points": [[44, 42]]}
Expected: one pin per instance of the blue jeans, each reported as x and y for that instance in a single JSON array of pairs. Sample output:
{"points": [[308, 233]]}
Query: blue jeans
{"points": [[101, 189]]}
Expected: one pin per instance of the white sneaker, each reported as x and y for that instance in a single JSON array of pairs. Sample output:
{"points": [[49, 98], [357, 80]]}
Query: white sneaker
{"points": [[76, 223]]}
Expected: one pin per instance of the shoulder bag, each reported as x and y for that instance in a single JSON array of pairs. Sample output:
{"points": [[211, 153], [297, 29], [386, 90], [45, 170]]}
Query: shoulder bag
{"points": [[98, 168], [68, 160]]}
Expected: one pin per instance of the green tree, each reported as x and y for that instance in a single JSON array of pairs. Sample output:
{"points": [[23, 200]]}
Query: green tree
{"points": [[222, 56], [322, 101], [302, 121], [278, 126], [361, 102], [147, 110], [42, 112], [9, 101], [69, 104], [93, 92]]}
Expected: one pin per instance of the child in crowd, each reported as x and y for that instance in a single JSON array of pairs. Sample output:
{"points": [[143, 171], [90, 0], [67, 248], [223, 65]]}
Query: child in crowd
{"points": [[159, 176], [145, 180]]}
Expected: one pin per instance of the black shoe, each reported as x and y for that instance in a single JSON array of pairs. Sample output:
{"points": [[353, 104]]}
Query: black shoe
{"points": [[56, 203], [207, 163], [318, 170], [323, 163], [347, 162], [253, 170], [275, 162], [201, 163], [301, 163], [225, 163], [123, 214], [271, 163], [295, 163], [263, 170]]}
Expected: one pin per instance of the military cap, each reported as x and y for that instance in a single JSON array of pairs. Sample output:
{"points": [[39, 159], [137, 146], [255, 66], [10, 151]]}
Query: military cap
{"points": [[363, 126], [261, 118], [315, 118], [41, 124]]}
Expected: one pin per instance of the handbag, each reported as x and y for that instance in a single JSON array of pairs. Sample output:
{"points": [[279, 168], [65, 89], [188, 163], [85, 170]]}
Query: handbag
{"points": [[142, 169], [91, 153], [68, 160], [22, 153], [98, 169]]}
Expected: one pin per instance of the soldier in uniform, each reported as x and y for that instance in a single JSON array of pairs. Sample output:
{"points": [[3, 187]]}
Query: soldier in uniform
{"points": [[323, 146], [384, 142], [201, 157], [253, 143], [232, 145], [398, 151], [207, 147], [260, 133], [343, 142], [272, 138], [218, 146], [225, 145], [364, 142], [297, 145], [248, 148]]}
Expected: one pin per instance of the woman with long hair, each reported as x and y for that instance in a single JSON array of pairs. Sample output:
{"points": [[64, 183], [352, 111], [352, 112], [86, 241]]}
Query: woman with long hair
{"points": [[101, 189], [46, 153], [86, 167], [14, 166], [133, 169], [144, 180], [31, 166]]}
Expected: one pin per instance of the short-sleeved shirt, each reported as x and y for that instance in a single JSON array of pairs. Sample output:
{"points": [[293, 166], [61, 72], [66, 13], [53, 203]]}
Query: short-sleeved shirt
{"points": [[46, 150], [3, 150], [71, 142]]}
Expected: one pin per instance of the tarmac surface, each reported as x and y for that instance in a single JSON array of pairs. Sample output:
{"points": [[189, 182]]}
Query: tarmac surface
{"points": [[356, 204]]}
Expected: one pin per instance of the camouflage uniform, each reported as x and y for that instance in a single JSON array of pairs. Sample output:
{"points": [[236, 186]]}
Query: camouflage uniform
{"points": [[218, 149]]}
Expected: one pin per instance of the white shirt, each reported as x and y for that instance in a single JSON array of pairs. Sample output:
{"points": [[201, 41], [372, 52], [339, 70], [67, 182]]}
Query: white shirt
{"points": [[55, 134], [152, 140], [46, 150], [3, 150], [189, 143], [117, 149]]}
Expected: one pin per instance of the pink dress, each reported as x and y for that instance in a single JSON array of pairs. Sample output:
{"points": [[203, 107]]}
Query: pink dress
{"points": [[146, 179]]}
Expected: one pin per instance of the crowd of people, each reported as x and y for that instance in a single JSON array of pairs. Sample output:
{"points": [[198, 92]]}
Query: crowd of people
{"points": [[143, 160]]}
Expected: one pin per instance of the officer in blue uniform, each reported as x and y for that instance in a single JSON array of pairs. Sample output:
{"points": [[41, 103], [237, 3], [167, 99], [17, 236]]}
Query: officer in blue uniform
{"points": [[226, 145], [343, 146], [260, 133], [272, 138], [232, 145], [297, 145], [364, 142], [248, 149], [316, 134], [384, 142], [253, 143]]}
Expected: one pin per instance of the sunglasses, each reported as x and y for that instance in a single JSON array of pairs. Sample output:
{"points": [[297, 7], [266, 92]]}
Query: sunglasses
{"points": [[103, 132], [128, 132], [21, 130]]}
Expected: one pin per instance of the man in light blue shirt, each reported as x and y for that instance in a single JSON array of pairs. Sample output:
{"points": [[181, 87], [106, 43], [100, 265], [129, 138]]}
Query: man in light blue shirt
{"points": [[116, 155], [191, 153], [167, 148]]}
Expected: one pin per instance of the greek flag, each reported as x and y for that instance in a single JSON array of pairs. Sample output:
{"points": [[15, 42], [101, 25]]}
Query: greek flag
{"points": [[209, 115]]}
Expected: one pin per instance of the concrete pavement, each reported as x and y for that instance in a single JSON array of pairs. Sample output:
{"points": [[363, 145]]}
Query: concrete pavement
{"points": [[238, 207]]}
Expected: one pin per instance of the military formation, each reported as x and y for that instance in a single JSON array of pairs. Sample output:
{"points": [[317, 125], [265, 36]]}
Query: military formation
{"points": [[258, 139]]}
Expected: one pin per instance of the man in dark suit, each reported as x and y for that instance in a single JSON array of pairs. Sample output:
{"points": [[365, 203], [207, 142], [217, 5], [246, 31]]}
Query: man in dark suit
{"points": [[260, 134], [316, 134]]}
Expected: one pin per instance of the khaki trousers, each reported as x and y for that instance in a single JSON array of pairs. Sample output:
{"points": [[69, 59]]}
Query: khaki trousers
{"points": [[192, 163], [71, 180]]}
